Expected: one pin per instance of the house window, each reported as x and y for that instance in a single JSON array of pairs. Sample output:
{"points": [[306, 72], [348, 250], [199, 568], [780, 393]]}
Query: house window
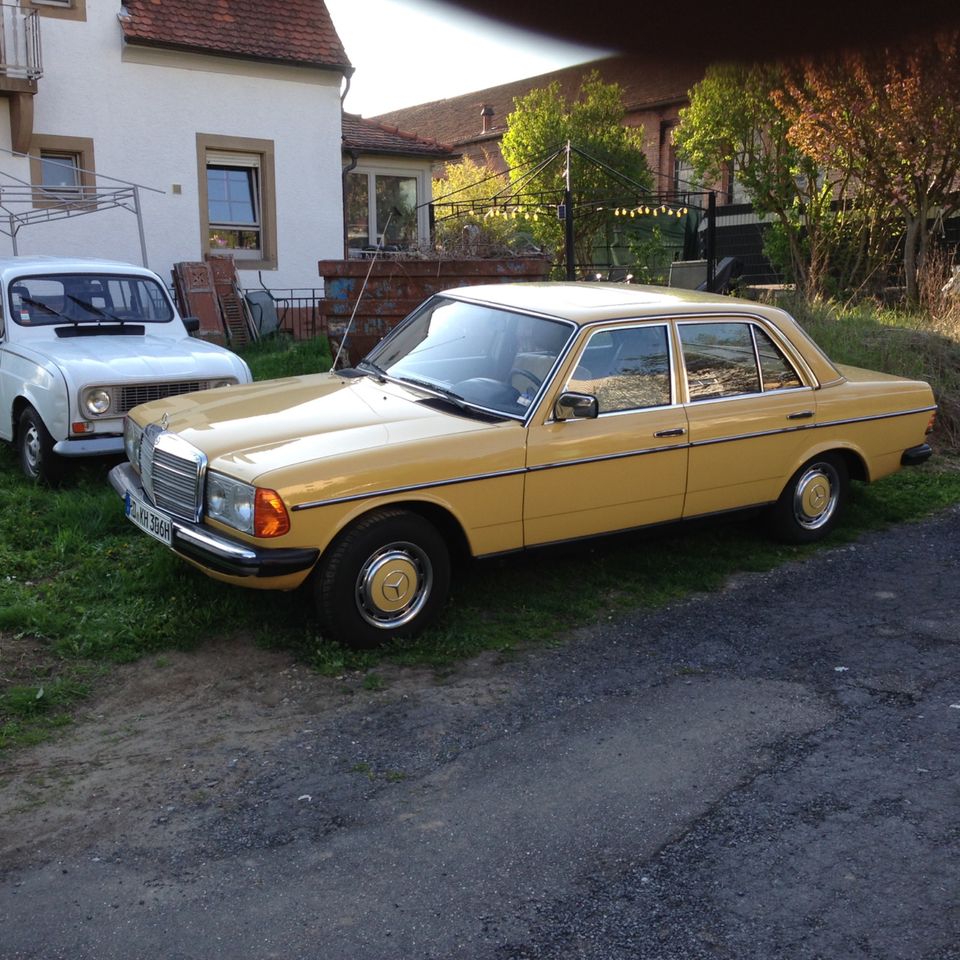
{"points": [[60, 9], [382, 207], [237, 199], [233, 203], [61, 170]]}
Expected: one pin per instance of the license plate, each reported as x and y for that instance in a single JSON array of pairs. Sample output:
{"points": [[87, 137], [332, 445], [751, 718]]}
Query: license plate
{"points": [[150, 521]]}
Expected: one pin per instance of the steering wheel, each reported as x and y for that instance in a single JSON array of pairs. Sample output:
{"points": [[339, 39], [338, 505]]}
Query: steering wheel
{"points": [[535, 380]]}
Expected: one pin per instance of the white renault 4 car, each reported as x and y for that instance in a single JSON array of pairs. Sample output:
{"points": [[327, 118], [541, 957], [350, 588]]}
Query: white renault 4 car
{"points": [[83, 341]]}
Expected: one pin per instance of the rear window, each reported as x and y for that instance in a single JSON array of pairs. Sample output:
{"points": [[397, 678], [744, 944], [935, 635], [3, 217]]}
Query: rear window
{"points": [[87, 298]]}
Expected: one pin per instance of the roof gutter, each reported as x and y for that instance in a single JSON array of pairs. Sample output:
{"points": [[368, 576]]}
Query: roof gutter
{"points": [[345, 68]]}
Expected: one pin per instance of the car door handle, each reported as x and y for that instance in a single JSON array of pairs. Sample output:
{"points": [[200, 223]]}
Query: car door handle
{"points": [[677, 432], [802, 415]]}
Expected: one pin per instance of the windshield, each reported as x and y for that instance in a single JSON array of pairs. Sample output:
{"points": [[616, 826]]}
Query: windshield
{"points": [[87, 298], [481, 355]]}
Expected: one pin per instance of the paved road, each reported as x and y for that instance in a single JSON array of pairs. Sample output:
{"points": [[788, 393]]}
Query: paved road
{"points": [[767, 772]]}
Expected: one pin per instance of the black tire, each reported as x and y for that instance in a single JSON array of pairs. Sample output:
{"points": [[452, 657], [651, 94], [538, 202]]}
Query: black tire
{"points": [[811, 503], [35, 449], [389, 550]]}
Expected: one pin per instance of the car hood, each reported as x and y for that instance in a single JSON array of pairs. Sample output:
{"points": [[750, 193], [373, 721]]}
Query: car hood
{"points": [[111, 359], [312, 424]]}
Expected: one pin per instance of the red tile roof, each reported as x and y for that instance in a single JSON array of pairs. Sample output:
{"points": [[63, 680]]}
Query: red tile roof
{"points": [[369, 136], [286, 31], [646, 82]]}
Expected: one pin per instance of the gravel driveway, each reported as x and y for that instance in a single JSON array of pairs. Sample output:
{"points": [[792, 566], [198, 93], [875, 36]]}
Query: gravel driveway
{"points": [[766, 772]]}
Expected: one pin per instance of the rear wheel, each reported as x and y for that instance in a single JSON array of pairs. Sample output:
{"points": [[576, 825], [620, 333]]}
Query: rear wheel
{"points": [[811, 503], [35, 447], [388, 575]]}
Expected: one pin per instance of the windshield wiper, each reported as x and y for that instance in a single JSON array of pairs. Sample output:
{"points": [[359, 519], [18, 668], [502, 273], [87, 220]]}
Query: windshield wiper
{"points": [[90, 308], [444, 392], [373, 369], [46, 308]]}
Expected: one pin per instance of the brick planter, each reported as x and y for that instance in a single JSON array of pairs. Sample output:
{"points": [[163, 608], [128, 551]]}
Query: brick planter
{"points": [[396, 287]]}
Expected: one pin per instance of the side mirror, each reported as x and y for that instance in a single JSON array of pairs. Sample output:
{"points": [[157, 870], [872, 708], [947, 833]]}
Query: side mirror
{"points": [[576, 406], [192, 324]]}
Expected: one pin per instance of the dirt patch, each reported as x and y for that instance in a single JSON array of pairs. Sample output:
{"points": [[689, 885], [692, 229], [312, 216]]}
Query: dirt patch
{"points": [[24, 661], [182, 730], [155, 736]]}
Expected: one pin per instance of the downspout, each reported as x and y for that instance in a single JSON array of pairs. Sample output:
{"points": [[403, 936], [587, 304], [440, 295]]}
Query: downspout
{"points": [[354, 160]]}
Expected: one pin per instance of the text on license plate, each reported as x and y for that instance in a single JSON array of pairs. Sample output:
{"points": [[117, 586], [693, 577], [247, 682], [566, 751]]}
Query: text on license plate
{"points": [[149, 520]]}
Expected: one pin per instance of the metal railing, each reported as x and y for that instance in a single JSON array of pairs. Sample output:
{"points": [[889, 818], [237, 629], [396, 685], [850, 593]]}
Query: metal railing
{"points": [[20, 54], [299, 310], [23, 204]]}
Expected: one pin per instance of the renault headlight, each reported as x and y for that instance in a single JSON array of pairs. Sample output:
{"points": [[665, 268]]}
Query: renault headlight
{"points": [[97, 401]]}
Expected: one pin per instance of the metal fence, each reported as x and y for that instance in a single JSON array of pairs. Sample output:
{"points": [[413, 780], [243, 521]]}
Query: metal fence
{"points": [[299, 311]]}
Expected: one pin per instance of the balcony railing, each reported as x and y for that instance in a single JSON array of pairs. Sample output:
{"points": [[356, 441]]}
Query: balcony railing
{"points": [[20, 56]]}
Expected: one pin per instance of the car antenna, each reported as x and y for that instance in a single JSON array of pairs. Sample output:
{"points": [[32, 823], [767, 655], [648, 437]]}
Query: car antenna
{"points": [[373, 260]]}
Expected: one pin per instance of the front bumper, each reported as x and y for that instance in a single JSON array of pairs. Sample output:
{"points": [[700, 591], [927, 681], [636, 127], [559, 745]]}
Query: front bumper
{"points": [[215, 551], [89, 446]]}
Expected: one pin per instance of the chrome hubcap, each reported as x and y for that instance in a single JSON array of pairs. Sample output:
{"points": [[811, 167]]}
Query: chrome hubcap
{"points": [[394, 585], [815, 497]]}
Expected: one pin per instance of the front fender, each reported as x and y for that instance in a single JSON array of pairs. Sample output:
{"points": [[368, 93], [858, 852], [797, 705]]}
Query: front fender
{"points": [[39, 383]]}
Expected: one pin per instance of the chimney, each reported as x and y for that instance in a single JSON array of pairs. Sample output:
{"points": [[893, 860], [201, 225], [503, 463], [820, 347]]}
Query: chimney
{"points": [[485, 114]]}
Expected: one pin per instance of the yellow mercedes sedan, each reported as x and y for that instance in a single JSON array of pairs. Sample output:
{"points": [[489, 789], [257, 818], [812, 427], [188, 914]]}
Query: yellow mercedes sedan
{"points": [[507, 416]]}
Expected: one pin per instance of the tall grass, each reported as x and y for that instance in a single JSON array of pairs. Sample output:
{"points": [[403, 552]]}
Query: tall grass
{"points": [[909, 343]]}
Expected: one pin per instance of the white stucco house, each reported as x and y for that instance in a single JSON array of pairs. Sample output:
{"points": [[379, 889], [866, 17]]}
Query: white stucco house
{"points": [[226, 117]]}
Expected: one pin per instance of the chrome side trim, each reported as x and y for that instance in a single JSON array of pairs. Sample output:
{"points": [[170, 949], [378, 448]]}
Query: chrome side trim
{"points": [[390, 491], [645, 451], [812, 426], [876, 416], [608, 456]]}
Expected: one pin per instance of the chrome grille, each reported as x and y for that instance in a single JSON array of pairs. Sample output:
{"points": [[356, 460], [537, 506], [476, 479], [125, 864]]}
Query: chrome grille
{"points": [[132, 394], [172, 472]]}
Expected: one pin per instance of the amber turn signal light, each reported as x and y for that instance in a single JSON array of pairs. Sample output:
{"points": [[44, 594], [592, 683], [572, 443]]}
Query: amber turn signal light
{"points": [[270, 518]]}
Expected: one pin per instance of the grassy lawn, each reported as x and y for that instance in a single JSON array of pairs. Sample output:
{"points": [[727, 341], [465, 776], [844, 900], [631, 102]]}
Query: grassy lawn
{"points": [[81, 589]]}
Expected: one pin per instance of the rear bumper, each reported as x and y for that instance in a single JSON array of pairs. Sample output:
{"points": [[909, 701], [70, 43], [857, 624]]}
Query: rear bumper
{"points": [[916, 455], [213, 550]]}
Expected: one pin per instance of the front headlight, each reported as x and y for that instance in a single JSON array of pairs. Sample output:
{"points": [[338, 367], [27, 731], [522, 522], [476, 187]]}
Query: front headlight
{"points": [[132, 438], [97, 401], [230, 501], [227, 382], [254, 510]]}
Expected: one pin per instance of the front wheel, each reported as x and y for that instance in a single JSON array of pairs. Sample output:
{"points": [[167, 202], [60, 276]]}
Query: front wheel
{"points": [[812, 501], [388, 575], [35, 447]]}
